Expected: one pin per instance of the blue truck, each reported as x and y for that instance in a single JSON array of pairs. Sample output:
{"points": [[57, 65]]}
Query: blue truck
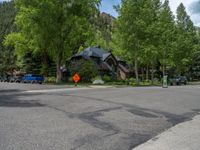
{"points": [[31, 78]]}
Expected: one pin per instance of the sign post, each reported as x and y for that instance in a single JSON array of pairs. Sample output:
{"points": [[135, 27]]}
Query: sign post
{"points": [[76, 78], [165, 83]]}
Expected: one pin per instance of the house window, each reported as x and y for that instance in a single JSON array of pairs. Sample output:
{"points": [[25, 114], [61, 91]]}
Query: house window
{"points": [[97, 60], [111, 63]]}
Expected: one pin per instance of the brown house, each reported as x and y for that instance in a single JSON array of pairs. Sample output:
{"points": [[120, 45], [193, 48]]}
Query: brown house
{"points": [[105, 61]]}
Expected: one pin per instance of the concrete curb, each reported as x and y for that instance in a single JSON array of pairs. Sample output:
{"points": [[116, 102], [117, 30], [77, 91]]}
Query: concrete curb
{"points": [[184, 136]]}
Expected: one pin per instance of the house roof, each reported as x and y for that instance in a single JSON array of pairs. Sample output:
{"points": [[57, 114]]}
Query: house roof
{"points": [[93, 52]]}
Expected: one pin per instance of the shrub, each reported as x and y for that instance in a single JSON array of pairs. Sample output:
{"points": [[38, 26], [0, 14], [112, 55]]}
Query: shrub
{"points": [[70, 79], [97, 78], [50, 80], [107, 78], [145, 83], [86, 70], [131, 81]]}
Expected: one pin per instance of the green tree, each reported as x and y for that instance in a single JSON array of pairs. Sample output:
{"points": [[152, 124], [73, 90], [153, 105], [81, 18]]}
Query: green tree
{"points": [[150, 45], [195, 66], [103, 27], [167, 33], [86, 69], [186, 40], [135, 28], [7, 55], [55, 27]]}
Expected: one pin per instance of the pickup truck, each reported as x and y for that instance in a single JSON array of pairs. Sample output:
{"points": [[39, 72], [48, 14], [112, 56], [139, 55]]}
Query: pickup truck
{"points": [[31, 78]]}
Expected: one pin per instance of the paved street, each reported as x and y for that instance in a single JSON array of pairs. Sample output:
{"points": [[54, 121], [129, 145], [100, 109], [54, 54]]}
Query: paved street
{"points": [[37, 117]]}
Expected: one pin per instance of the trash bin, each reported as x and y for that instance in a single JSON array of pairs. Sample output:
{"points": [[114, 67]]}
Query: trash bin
{"points": [[165, 83]]}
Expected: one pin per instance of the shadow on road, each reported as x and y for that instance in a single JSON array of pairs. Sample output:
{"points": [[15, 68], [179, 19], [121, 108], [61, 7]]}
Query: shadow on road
{"points": [[173, 119], [9, 91], [10, 99]]}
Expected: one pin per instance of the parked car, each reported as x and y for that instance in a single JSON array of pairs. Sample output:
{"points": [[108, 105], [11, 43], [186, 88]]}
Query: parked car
{"points": [[16, 79], [11, 79], [178, 80], [1, 79], [31, 78], [5, 78]]}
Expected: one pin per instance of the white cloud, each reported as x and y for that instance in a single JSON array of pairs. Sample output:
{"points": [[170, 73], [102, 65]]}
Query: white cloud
{"points": [[4, 0], [187, 3]]}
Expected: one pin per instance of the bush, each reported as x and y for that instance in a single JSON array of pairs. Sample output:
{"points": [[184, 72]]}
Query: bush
{"points": [[50, 80], [97, 78], [145, 83], [131, 81], [70, 80], [107, 78], [86, 70]]}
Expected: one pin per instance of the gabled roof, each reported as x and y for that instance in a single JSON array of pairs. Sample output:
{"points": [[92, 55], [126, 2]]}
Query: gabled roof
{"points": [[93, 52]]}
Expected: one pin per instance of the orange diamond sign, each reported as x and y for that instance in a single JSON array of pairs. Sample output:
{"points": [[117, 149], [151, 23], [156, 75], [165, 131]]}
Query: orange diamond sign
{"points": [[76, 78]]}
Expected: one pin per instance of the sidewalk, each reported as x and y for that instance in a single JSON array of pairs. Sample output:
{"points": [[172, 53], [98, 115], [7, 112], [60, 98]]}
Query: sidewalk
{"points": [[194, 83], [184, 136]]}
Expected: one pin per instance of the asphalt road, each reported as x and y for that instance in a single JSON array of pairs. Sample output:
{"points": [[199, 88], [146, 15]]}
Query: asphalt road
{"points": [[90, 119]]}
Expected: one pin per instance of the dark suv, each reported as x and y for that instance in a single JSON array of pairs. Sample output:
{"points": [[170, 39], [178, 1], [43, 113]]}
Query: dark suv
{"points": [[178, 80]]}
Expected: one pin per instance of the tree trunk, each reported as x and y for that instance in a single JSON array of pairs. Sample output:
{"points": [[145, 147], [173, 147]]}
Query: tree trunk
{"points": [[152, 75], [143, 75], [163, 70], [147, 73], [45, 64], [136, 69], [58, 72], [164, 58]]}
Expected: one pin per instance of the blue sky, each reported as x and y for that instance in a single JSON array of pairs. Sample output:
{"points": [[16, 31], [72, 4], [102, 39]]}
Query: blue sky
{"points": [[107, 6], [3, 0], [192, 7]]}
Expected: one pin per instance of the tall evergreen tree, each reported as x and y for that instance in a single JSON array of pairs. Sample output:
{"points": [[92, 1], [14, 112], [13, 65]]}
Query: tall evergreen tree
{"points": [[185, 40]]}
